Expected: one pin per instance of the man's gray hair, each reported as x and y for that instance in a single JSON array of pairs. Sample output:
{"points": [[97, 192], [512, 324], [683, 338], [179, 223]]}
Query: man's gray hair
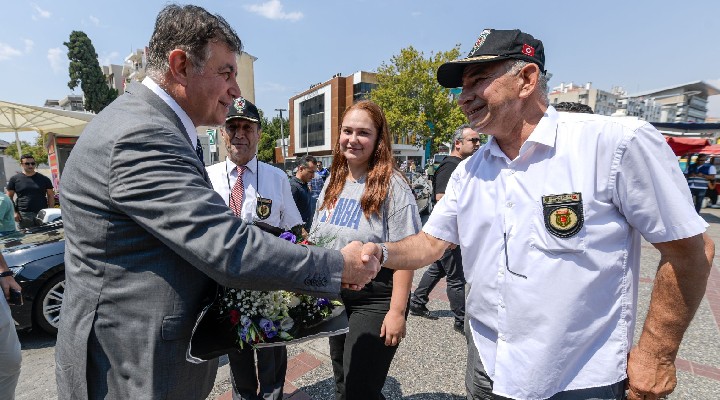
{"points": [[514, 66], [458, 134], [189, 28]]}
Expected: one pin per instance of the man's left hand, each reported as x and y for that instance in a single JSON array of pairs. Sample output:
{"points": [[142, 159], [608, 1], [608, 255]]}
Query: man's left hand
{"points": [[649, 377], [8, 283]]}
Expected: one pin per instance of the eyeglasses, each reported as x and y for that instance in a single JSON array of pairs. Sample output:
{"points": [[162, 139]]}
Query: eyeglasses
{"points": [[29, 163], [474, 140]]}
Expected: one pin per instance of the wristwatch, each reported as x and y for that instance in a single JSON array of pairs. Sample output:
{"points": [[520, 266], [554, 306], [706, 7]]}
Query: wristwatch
{"points": [[10, 273], [384, 254]]}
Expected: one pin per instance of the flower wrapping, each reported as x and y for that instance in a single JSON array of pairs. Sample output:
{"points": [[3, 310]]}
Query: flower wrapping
{"points": [[239, 318], [259, 317]]}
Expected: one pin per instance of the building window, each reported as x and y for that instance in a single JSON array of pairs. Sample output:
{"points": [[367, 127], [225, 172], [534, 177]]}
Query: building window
{"points": [[361, 90], [312, 122]]}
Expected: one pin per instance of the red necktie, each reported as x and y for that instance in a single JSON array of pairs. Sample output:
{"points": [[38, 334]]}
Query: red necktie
{"points": [[238, 192]]}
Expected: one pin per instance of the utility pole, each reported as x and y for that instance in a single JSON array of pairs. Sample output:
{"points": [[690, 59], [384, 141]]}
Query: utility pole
{"points": [[282, 137], [307, 129]]}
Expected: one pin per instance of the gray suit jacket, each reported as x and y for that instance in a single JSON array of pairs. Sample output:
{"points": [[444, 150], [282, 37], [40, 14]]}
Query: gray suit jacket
{"points": [[146, 236]]}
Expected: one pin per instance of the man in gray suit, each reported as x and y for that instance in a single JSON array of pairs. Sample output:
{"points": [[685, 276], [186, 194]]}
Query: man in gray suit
{"points": [[146, 235]]}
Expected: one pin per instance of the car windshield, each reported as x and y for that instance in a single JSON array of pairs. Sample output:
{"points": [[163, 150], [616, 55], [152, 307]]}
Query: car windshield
{"points": [[44, 234]]}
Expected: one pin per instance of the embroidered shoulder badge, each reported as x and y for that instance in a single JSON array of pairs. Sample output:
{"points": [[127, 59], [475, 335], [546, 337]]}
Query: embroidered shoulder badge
{"points": [[563, 214], [263, 208]]}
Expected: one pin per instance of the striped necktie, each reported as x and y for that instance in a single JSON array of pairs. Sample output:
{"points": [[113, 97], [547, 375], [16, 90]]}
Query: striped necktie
{"points": [[238, 192]]}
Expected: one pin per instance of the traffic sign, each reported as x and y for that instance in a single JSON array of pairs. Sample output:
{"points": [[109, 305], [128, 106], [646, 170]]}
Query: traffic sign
{"points": [[212, 134]]}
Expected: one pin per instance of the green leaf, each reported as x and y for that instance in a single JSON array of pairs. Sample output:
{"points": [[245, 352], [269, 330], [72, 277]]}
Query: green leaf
{"points": [[412, 99]]}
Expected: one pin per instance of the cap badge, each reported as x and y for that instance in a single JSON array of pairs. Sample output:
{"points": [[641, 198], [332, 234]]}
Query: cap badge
{"points": [[239, 104], [528, 50], [479, 42]]}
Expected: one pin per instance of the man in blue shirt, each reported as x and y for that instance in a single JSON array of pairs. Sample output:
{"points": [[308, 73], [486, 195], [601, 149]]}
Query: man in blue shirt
{"points": [[699, 175], [7, 215], [322, 171]]}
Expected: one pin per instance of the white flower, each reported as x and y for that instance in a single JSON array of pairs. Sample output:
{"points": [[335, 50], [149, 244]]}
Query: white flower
{"points": [[287, 323], [294, 301]]}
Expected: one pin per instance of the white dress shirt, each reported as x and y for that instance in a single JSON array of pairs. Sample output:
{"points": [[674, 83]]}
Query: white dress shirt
{"points": [[184, 118], [259, 179], [564, 318]]}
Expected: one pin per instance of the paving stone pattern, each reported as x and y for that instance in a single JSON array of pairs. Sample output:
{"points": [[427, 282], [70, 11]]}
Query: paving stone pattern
{"points": [[430, 363]]}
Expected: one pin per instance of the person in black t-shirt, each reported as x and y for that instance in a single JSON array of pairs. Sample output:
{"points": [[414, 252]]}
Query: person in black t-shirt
{"points": [[34, 192], [465, 142]]}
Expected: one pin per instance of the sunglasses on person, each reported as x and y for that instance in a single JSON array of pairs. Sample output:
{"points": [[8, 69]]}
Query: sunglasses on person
{"points": [[474, 140], [29, 163]]}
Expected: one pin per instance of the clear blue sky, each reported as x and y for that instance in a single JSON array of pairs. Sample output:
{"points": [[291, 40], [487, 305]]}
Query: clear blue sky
{"points": [[639, 45]]}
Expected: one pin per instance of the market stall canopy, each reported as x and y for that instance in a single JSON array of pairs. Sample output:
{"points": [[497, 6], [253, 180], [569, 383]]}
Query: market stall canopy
{"points": [[712, 149], [688, 129], [16, 118], [19, 117], [683, 145]]}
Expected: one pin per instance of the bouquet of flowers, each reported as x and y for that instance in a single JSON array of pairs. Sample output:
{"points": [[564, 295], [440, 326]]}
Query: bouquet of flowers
{"points": [[270, 317], [239, 318]]}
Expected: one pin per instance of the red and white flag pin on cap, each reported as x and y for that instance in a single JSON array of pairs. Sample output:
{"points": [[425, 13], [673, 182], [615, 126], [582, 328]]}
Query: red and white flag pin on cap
{"points": [[528, 50]]}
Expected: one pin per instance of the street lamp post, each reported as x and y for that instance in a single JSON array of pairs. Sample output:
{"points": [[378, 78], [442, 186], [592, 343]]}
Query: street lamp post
{"points": [[307, 130], [282, 137]]}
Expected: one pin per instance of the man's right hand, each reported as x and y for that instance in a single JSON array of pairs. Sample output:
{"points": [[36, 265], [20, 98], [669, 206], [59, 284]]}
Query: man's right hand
{"points": [[17, 216], [356, 271]]}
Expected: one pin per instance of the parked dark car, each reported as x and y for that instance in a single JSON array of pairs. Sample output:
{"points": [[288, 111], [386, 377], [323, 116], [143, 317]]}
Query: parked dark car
{"points": [[36, 255]]}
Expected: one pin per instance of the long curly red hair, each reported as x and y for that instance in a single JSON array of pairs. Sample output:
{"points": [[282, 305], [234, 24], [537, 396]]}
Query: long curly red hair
{"points": [[380, 165]]}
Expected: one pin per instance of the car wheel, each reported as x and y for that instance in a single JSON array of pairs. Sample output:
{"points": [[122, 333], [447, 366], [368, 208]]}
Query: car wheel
{"points": [[48, 302]]}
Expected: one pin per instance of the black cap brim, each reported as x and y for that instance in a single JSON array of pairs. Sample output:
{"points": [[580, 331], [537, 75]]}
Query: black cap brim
{"points": [[450, 74]]}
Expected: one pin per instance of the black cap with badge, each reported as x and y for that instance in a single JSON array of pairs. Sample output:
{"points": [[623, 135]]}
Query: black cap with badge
{"points": [[494, 45], [243, 108]]}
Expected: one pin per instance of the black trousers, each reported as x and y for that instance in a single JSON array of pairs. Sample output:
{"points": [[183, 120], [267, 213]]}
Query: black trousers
{"points": [[360, 359], [712, 194], [449, 266], [269, 377]]}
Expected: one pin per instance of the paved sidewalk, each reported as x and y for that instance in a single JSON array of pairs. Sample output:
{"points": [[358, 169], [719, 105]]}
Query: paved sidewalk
{"points": [[430, 363]]}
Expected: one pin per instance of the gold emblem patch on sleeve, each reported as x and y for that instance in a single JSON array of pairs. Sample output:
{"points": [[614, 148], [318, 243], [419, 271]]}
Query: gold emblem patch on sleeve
{"points": [[563, 214]]}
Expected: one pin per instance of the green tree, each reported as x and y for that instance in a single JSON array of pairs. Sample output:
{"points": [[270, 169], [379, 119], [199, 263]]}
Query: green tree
{"points": [[415, 105], [37, 150], [270, 136], [85, 71]]}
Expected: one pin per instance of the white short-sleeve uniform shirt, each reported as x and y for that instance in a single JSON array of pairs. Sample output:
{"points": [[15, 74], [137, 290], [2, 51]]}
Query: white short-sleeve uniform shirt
{"points": [[551, 247]]}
